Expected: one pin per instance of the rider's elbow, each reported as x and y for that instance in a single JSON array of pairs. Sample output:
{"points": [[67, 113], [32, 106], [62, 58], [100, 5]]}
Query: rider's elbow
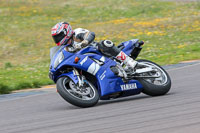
{"points": [[91, 37]]}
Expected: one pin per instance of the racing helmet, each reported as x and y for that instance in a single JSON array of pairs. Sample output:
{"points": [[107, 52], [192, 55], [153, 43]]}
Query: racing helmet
{"points": [[62, 33]]}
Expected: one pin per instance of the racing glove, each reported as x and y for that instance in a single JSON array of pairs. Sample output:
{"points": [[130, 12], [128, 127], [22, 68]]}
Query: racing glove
{"points": [[81, 45]]}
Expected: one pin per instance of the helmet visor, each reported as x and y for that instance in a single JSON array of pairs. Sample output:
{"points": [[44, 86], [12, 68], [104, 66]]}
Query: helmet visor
{"points": [[57, 38]]}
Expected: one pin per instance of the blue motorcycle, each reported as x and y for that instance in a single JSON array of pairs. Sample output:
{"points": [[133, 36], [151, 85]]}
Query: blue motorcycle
{"points": [[84, 77]]}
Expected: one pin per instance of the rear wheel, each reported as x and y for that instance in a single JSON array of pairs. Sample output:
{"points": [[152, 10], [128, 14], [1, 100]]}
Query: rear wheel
{"points": [[85, 96], [155, 86]]}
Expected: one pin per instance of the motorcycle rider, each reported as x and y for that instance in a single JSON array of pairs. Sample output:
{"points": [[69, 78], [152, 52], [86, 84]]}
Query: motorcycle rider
{"points": [[63, 34]]}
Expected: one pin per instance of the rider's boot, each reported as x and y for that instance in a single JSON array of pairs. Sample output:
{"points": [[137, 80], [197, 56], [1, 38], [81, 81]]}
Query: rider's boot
{"points": [[128, 61]]}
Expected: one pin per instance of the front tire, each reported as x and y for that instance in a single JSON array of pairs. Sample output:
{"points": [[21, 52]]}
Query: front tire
{"points": [[70, 91], [150, 87]]}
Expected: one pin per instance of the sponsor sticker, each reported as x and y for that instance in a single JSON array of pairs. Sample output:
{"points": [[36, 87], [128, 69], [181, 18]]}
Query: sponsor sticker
{"points": [[121, 56], [103, 75], [129, 86]]}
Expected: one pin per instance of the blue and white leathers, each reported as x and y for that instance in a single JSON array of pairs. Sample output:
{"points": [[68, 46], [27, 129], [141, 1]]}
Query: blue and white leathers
{"points": [[106, 81]]}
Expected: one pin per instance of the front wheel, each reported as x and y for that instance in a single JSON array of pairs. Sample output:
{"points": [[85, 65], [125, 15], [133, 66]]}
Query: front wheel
{"points": [[155, 86], [84, 96]]}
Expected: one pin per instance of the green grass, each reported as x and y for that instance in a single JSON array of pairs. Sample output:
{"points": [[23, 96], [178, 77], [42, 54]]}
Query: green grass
{"points": [[23, 76], [170, 30]]}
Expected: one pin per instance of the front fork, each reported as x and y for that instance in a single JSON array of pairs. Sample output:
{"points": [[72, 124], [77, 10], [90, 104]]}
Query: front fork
{"points": [[79, 76]]}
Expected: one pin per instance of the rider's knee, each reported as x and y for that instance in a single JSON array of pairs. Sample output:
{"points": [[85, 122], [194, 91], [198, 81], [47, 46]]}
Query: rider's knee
{"points": [[107, 47]]}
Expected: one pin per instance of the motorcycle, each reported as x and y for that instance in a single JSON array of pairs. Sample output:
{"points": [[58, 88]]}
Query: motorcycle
{"points": [[84, 77]]}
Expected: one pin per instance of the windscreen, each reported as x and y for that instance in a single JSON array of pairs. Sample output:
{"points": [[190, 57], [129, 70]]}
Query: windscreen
{"points": [[54, 50]]}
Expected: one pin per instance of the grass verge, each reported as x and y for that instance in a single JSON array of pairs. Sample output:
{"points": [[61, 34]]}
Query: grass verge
{"points": [[170, 30]]}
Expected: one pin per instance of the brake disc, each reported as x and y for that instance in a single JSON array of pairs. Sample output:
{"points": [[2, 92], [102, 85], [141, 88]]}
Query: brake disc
{"points": [[80, 90]]}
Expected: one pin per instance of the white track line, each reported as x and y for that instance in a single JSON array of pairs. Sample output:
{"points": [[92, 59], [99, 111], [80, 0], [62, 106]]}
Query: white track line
{"points": [[183, 67]]}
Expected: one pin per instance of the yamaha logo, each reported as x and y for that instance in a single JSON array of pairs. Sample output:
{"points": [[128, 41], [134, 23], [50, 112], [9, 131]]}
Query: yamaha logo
{"points": [[128, 86]]}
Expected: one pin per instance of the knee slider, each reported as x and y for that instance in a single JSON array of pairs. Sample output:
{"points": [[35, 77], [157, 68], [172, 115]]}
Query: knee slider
{"points": [[107, 43], [107, 47]]}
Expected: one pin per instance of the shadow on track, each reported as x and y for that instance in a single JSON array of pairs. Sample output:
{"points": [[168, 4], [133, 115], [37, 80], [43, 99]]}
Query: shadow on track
{"points": [[123, 99], [67, 106], [130, 98]]}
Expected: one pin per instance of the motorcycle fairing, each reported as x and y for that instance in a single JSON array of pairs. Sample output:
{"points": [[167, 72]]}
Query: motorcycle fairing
{"points": [[70, 75], [107, 81], [110, 83], [128, 46]]}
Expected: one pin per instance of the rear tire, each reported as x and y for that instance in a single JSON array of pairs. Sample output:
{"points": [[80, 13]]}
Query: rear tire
{"points": [[153, 89], [67, 93]]}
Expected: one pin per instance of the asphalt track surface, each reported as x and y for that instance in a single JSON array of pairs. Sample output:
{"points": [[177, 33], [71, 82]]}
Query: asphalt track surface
{"points": [[47, 112]]}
